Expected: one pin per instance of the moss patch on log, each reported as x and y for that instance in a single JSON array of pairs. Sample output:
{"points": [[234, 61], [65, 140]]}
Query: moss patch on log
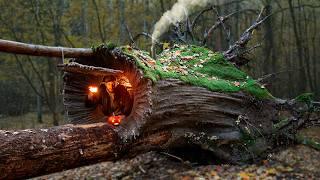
{"points": [[197, 66]]}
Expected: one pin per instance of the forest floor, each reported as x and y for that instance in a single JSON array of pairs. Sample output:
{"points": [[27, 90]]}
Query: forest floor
{"points": [[293, 162], [27, 121]]}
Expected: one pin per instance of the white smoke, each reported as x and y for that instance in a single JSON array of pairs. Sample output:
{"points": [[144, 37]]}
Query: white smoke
{"points": [[179, 12]]}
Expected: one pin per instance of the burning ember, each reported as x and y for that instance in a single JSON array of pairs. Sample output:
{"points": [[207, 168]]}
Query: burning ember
{"points": [[93, 89], [114, 97], [115, 120]]}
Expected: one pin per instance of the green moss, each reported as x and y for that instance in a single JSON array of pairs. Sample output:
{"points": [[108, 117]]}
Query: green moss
{"points": [[197, 66], [283, 122], [308, 142], [108, 46], [305, 98], [252, 87]]}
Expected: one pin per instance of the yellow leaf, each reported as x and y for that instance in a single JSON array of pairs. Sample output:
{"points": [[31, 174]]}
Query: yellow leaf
{"points": [[166, 46], [245, 175], [271, 171]]}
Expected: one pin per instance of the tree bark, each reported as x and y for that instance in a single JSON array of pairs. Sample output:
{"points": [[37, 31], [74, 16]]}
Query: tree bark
{"points": [[29, 153], [180, 116], [39, 50]]}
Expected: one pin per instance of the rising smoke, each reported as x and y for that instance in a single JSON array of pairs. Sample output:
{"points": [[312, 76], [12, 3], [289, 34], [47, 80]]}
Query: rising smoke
{"points": [[179, 12]]}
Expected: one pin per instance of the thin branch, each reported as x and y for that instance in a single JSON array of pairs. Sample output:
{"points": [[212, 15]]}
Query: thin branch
{"points": [[238, 48], [195, 20], [85, 69], [40, 50], [102, 34], [67, 38], [246, 51], [23, 72], [39, 77], [189, 29], [266, 77], [129, 33], [220, 21], [135, 38]]}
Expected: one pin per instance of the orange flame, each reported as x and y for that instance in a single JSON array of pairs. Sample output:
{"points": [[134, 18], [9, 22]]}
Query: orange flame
{"points": [[93, 89], [115, 120]]}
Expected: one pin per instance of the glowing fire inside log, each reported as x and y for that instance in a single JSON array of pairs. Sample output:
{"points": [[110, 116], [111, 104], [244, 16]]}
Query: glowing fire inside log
{"points": [[93, 89], [115, 120]]}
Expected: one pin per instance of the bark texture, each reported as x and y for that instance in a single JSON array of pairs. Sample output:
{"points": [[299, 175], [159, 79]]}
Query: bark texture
{"points": [[29, 153], [40, 50], [235, 127]]}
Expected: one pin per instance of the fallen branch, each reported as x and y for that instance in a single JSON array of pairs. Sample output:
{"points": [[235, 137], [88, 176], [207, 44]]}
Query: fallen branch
{"points": [[220, 21], [234, 53], [74, 67], [34, 152], [40, 50]]}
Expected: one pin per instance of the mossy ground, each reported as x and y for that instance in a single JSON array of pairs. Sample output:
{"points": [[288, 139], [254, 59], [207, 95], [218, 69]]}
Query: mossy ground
{"points": [[197, 66]]}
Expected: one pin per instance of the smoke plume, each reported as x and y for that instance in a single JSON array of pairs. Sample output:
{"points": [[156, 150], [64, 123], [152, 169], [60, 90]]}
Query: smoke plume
{"points": [[179, 12]]}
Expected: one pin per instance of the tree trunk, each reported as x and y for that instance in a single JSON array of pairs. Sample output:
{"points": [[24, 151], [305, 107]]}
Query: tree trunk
{"points": [[29, 153], [233, 127], [165, 114], [228, 124], [302, 73]]}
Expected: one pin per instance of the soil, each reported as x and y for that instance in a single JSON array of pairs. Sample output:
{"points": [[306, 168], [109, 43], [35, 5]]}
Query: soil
{"points": [[294, 162]]}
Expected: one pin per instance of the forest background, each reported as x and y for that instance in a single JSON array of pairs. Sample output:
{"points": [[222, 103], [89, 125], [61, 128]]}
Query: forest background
{"points": [[30, 87]]}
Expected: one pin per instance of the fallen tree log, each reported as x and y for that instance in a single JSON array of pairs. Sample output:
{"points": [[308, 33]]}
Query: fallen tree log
{"points": [[189, 97], [33, 152]]}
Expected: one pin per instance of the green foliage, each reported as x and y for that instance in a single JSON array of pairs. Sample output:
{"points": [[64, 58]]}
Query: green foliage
{"points": [[308, 142], [305, 98], [197, 66], [108, 46]]}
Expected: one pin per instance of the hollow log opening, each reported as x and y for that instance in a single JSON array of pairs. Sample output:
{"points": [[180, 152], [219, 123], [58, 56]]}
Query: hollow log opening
{"points": [[107, 87]]}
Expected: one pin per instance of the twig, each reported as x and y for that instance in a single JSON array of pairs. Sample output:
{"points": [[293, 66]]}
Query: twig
{"points": [[74, 67], [250, 49], [272, 75], [142, 170], [220, 21], [129, 33], [234, 52], [176, 157], [39, 77], [195, 20], [177, 32], [27, 77], [189, 29], [135, 38]]}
